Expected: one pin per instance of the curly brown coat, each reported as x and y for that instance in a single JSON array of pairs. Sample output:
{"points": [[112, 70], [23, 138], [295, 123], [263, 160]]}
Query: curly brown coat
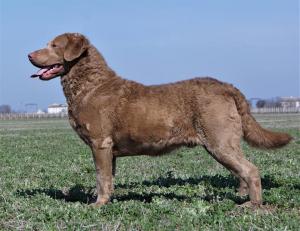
{"points": [[118, 117]]}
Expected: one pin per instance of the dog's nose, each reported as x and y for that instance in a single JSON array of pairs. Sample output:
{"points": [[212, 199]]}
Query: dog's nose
{"points": [[30, 56]]}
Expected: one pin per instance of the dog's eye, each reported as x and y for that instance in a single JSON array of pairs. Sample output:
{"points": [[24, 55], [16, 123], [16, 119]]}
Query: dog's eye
{"points": [[54, 45]]}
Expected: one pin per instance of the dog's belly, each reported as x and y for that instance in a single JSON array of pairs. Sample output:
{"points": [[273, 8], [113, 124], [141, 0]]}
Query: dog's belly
{"points": [[126, 146], [152, 149]]}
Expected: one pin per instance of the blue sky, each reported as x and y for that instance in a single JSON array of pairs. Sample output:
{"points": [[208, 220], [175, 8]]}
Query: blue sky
{"points": [[251, 44]]}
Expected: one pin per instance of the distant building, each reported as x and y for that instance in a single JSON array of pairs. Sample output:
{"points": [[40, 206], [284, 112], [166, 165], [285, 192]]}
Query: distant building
{"points": [[40, 112], [291, 101], [57, 108]]}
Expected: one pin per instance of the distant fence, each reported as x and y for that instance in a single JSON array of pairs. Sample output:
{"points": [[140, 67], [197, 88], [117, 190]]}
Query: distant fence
{"points": [[14, 116], [276, 110]]}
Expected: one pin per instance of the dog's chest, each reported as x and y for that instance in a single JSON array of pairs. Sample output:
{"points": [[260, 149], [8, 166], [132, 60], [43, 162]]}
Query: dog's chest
{"points": [[81, 127]]}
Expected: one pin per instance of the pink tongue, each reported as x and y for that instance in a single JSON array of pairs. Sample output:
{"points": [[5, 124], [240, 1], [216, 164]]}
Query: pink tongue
{"points": [[42, 71]]}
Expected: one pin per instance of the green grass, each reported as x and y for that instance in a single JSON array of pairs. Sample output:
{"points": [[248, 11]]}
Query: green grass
{"points": [[47, 180]]}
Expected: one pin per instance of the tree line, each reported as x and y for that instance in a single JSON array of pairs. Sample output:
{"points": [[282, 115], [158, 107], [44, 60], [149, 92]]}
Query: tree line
{"points": [[5, 109], [263, 103]]}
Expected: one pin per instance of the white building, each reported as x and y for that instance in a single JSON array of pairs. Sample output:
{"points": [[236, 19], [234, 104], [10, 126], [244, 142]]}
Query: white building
{"points": [[290, 102], [40, 112], [57, 108]]}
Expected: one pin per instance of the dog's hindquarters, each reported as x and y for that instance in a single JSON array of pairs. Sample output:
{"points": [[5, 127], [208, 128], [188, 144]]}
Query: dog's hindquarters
{"points": [[254, 134], [222, 126]]}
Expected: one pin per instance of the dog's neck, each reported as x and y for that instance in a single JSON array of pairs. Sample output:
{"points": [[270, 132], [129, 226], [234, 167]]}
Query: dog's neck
{"points": [[88, 72]]}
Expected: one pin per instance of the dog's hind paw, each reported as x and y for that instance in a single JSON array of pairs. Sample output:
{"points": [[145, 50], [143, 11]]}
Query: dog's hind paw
{"points": [[257, 208]]}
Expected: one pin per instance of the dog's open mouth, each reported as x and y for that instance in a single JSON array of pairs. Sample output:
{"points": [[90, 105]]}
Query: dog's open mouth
{"points": [[49, 72]]}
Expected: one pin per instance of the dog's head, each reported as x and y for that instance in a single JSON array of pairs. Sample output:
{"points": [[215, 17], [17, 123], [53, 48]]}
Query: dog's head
{"points": [[56, 59]]}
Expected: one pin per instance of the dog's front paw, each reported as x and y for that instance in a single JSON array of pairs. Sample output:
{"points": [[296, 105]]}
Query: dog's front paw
{"points": [[243, 192], [250, 205], [99, 203]]}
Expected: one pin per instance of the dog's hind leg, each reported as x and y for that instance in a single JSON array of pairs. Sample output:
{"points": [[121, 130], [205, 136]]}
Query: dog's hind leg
{"points": [[243, 187], [228, 152], [222, 128]]}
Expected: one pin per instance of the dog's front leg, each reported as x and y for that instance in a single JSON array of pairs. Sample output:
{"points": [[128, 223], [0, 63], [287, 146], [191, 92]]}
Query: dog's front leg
{"points": [[103, 159]]}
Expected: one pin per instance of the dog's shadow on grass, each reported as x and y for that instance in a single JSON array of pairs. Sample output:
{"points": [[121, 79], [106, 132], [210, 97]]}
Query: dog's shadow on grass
{"points": [[86, 195], [77, 193]]}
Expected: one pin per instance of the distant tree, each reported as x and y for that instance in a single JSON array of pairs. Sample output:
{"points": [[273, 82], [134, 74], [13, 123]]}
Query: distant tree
{"points": [[5, 108], [275, 102], [260, 103]]}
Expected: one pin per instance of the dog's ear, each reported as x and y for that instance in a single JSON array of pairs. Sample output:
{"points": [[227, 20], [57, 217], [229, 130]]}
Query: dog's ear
{"points": [[77, 44]]}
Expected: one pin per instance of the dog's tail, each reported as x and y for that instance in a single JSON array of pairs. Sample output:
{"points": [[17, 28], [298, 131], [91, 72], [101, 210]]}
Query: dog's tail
{"points": [[254, 134]]}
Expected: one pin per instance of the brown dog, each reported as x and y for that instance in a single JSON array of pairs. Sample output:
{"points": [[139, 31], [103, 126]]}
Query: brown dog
{"points": [[117, 117]]}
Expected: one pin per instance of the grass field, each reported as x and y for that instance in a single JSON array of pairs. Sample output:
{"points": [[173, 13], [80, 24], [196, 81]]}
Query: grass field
{"points": [[47, 180]]}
